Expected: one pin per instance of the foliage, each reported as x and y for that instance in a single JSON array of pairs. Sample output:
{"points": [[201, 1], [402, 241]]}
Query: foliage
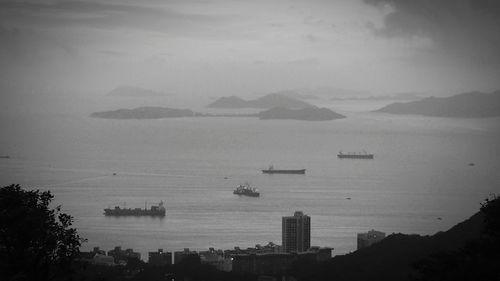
{"points": [[491, 210], [36, 241], [477, 260]]}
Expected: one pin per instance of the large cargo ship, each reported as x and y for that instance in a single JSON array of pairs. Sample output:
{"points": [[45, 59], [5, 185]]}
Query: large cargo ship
{"points": [[355, 155], [154, 211], [271, 170], [245, 189]]}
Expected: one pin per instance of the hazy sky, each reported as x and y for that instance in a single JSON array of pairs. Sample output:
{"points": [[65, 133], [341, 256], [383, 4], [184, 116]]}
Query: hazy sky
{"points": [[226, 47]]}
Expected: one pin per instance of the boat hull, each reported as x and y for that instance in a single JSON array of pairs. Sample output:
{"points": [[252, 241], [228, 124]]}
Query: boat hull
{"points": [[302, 171], [133, 213], [253, 194], [355, 156]]}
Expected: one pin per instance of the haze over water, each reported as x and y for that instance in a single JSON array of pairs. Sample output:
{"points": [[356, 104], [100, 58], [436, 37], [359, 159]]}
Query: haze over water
{"points": [[420, 173]]}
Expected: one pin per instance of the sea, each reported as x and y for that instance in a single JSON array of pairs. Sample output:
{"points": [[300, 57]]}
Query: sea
{"points": [[428, 173]]}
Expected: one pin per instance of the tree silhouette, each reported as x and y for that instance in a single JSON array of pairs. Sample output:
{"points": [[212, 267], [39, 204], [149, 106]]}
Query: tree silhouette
{"points": [[36, 241], [477, 260]]}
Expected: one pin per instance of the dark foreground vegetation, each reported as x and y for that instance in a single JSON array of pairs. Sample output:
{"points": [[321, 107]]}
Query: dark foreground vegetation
{"points": [[189, 268], [38, 243]]}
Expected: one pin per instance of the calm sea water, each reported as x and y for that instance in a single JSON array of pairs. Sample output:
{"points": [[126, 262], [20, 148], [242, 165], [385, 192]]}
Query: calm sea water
{"points": [[420, 173]]}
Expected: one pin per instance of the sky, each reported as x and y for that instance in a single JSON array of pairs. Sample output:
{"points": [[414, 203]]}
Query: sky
{"points": [[237, 47]]}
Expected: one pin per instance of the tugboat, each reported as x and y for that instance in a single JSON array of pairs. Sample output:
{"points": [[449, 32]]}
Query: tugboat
{"points": [[355, 155], [271, 170], [154, 211], [246, 189]]}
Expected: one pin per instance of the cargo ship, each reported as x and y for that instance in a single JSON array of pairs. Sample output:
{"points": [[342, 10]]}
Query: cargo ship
{"points": [[355, 155], [271, 170], [246, 189], [154, 211]]}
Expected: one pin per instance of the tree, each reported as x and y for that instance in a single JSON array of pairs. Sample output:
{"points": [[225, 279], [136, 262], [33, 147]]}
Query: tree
{"points": [[36, 241], [477, 260]]}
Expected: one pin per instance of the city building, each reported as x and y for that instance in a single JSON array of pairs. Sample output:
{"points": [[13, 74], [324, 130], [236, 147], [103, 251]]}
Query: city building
{"points": [[122, 256], [258, 249], [319, 253], [216, 259], [160, 258], [368, 238], [89, 256], [275, 263], [180, 255], [296, 233], [100, 259]]}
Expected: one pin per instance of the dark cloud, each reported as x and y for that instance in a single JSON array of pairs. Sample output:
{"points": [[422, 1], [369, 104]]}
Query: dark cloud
{"points": [[468, 28], [30, 31], [28, 45], [101, 15]]}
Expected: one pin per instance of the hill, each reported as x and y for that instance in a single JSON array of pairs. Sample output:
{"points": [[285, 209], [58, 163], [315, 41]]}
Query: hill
{"points": [[393, 257], [147, 112], [308, 114], [136, 92], [398, 256], [466, 105], [267, 101], [229, 102], [297, 94]]}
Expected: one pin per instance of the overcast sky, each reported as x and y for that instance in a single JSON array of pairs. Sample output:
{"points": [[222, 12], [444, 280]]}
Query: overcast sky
{"points": [[233, 47]]}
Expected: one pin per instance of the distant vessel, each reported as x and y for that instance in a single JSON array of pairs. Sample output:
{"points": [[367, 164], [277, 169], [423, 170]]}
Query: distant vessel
{"points": [[246, 189], [271, 170], [355, 155], [154, 211], [4, 156]]}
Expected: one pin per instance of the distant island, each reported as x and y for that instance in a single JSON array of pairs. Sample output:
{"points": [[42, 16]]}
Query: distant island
{"points": [[297, 94], [146, 112], [136, 92], [466, 105], [307, 114], [267, 101], [154, 112], [400, 96]]}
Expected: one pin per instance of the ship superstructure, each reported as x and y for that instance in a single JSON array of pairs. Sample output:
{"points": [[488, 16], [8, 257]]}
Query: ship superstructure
{"points": [[246, 189]]}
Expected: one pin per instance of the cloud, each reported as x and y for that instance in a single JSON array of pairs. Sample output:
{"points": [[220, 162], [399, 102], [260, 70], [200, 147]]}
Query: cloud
{"points": [[28, 45], [467, 28], [102, 15], [305, 61], [312, 38]]}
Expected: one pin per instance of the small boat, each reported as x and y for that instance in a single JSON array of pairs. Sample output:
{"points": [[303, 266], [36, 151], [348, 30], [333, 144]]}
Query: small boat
{"points": [[271, 170], [355, 155], [246, 189], [4, 157]]}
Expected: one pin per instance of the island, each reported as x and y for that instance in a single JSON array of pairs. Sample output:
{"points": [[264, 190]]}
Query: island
{"points": [[267, 101], [155, 112], [146, 112], [307, 114], [466, 105], [134, 92]]}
